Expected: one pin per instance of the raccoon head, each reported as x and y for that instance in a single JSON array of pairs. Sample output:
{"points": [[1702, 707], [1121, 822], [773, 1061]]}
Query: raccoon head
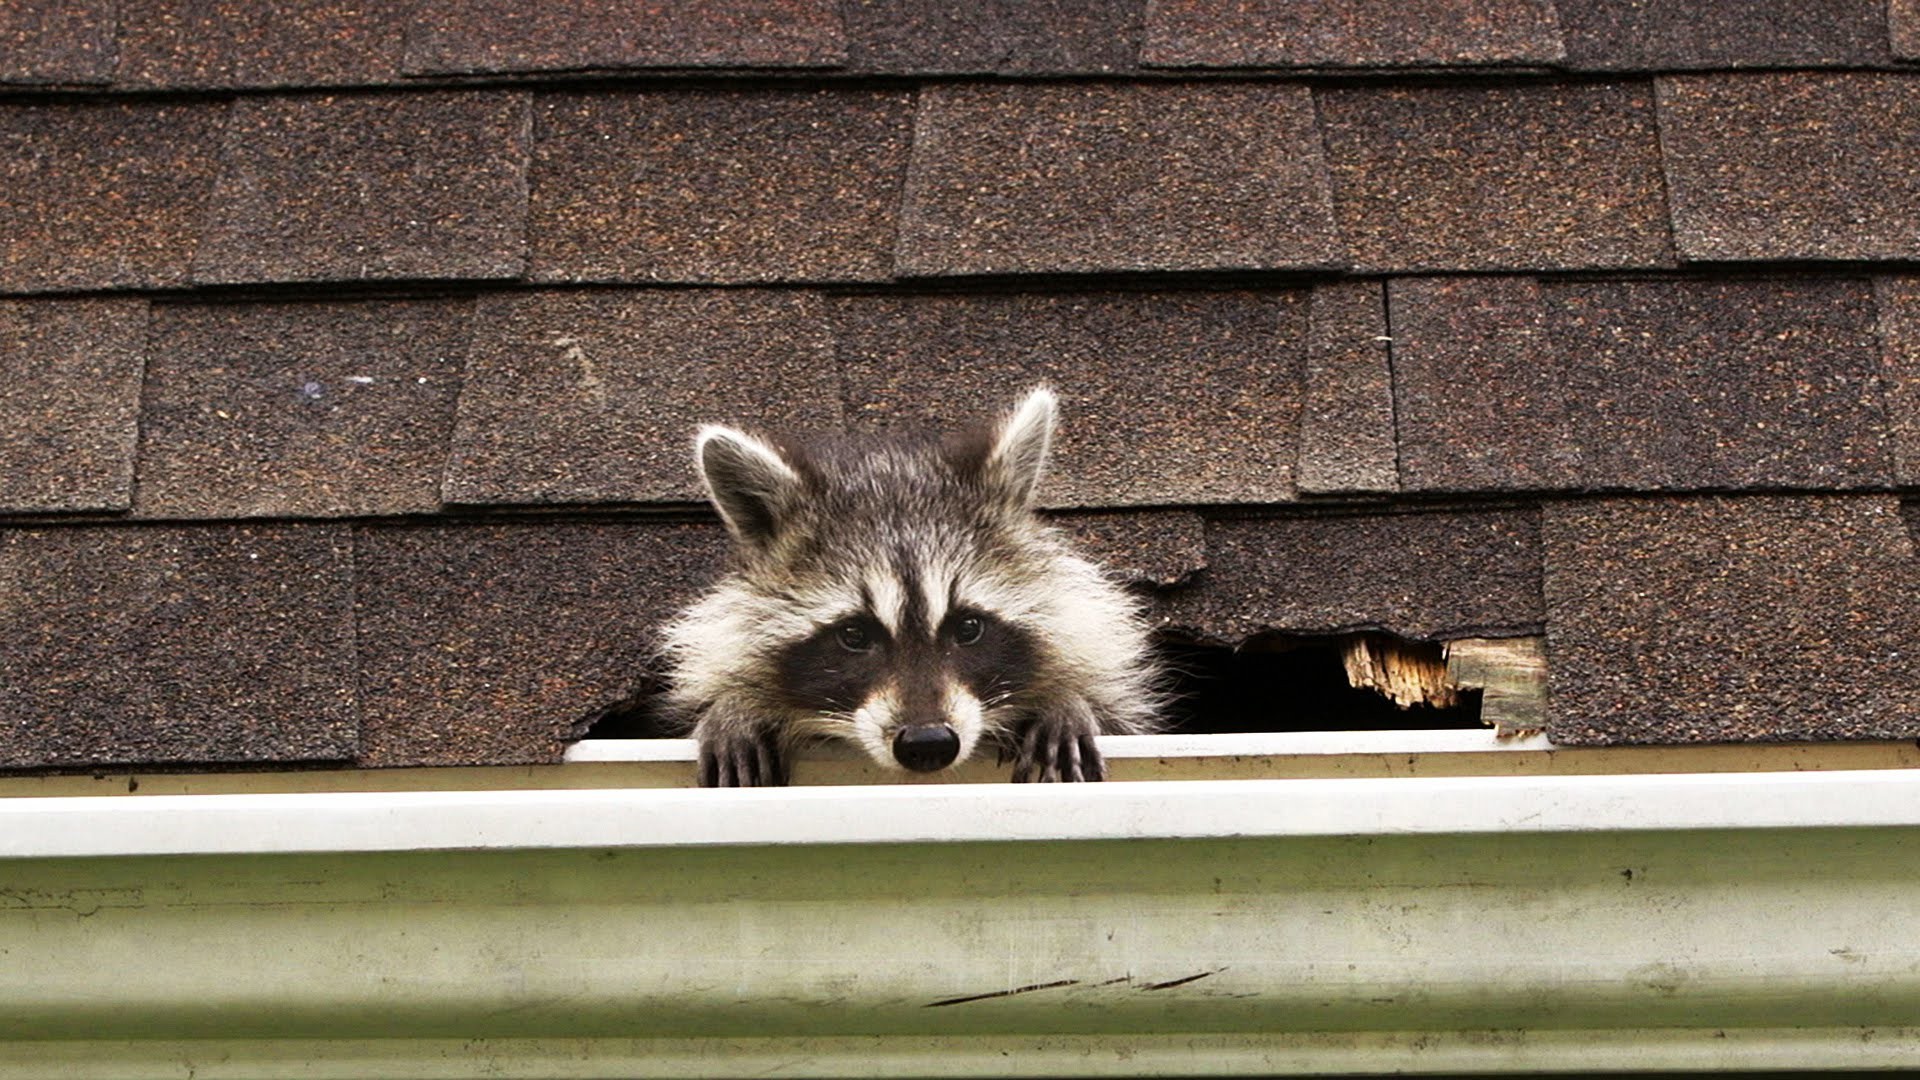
{"points": [[886, 592]]}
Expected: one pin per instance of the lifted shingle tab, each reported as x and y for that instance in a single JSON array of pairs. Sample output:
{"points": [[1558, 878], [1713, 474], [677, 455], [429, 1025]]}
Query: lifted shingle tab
{"points": [[486, 644], [103, 196], [1091, 177], [1168, 397], [1794, 166], [57, 41], [718, 186], [1512, 177], [594, 395], [359, 187], [1350, 33], [464, 37], [304, 409], [1781, 618], [131, 645], [69, 402]]}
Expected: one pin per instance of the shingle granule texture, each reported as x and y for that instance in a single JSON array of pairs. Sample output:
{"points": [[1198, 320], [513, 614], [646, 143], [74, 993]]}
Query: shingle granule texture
{"points": [[69, 402], [595, 395], [1424, 575], [300, 409], [718, 186], [140, 645], [1155, 548], [1793, 166], [1903, 18], [1899, 304], [1727, 619], [1633, 35], [1080, 177], [1004, 37], [1166, 398], [1346, 424], [103, 196], [486, 644], [56, 41], [1525, 177], [1351, 33], [465, 37], [177, 44], [351, 188]]}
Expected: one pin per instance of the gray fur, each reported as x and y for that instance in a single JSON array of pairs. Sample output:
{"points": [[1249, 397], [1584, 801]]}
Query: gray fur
{"points": [[820, 530]]}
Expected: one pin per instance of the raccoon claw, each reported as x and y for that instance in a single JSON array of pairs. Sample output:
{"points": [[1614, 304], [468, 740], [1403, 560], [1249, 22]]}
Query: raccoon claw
{"points": [[1058, 752], [752, 761]]}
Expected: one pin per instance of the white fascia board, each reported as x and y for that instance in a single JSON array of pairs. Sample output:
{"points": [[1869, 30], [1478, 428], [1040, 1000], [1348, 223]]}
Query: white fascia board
{"points": [[346, 822]]}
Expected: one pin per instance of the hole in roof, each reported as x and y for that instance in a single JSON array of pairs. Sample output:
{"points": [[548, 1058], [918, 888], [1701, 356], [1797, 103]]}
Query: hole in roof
{"points": [[1271, 682]]}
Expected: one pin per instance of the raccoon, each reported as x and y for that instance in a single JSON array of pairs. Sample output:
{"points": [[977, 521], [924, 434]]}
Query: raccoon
{"points": [[903, 596]]}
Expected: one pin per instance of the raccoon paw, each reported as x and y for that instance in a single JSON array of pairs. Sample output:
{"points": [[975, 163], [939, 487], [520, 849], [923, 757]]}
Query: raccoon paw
{"points": [[1059, 746], [742, 761]]}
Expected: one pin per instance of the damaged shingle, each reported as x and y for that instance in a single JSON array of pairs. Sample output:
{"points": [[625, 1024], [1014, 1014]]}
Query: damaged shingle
{"points": [[1793, 166], [594, 396], [1438, 574], [1718, 619], [465, 37], [299, 409], [103, 196], [69, 402], [485, 644], [1170, 397], [1081, 177], [1537, 176], [135, 645], [1350, 33], [716, 186], [56, 41], [352, 187]]}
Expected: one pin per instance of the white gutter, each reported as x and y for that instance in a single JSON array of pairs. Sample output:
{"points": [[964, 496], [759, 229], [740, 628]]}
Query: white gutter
{"points": [[1254, 927]]}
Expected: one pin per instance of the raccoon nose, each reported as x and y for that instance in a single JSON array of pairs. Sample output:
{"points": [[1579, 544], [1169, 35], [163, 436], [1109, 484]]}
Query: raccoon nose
{"points": [[926, 747]]}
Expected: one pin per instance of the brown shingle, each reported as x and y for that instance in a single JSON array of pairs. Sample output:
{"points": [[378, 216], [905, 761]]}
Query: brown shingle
{"points": [[1077, 177], [1903, 17], [594, 396], [1547, 176], [135, 645], [1714, 619], [69, 400], [299, 409], [485, 644], [428, 185], [1007, 37], [1175, 397], [1650, 385], [1150, 547], [102, 196], [1350, 33], [1424, 575], [56, 41], [220, 43], [1899, 304], [1634, 35], [717, 186], [479, 36], [1477, 399], [1801, 166], [1346, 422]]}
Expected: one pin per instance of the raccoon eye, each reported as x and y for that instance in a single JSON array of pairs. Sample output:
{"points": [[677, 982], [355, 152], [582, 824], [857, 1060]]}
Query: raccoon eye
{"points": [[968, 630], [854, 637]]}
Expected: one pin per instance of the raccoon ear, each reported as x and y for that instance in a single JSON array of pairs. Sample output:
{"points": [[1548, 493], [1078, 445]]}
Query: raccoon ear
{"points": [[748, 481], [1020, 443]]}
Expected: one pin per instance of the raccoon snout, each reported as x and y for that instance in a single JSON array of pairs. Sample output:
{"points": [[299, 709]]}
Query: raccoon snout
{"points": [[926, 747]]}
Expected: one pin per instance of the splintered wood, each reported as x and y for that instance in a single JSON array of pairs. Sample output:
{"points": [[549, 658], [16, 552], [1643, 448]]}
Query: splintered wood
{"points": [[1510, 673]]}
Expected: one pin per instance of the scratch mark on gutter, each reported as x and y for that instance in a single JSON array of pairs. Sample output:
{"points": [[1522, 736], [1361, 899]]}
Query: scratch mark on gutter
{"points": [[1010, 993], [1170, 983]]}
